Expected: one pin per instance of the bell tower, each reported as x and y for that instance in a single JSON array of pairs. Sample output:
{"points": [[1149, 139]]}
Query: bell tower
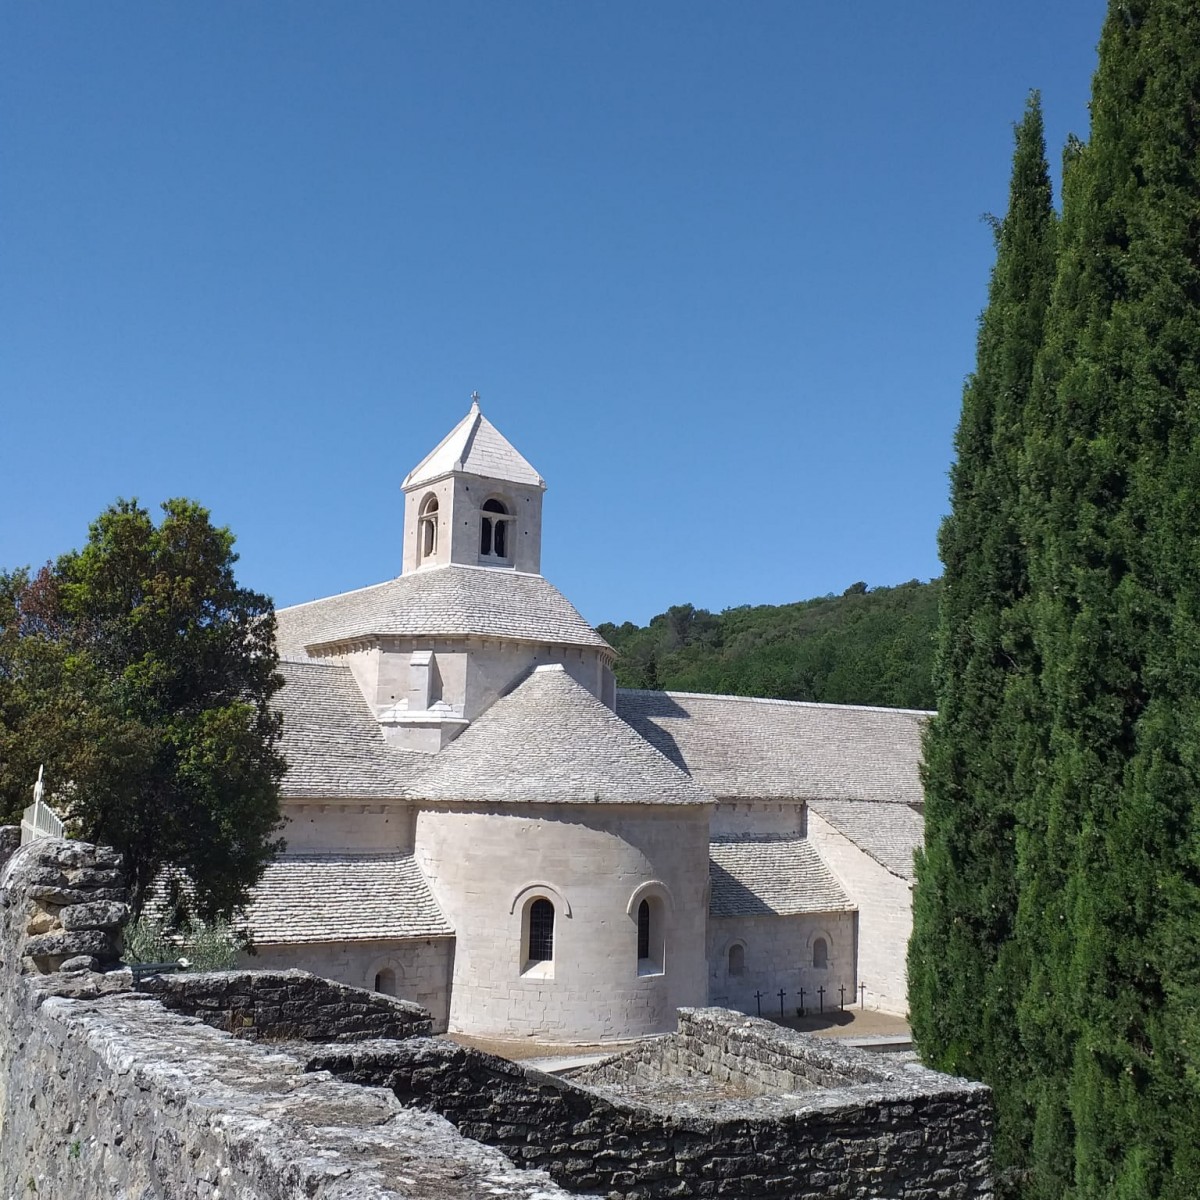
{"points": [[473, 501]]}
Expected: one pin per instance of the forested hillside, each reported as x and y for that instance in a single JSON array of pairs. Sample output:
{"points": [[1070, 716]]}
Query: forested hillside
{"points": [[866, 646]]}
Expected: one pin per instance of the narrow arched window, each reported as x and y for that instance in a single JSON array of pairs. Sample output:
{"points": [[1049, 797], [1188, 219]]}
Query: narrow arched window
{"points": [[820, 953], [493, 530], [651, 936], [541, 931], [385, 981], [737, 959], [644, 929], [427, 527]]}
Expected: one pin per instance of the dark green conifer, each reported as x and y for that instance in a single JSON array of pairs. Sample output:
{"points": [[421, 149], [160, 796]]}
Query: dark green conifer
{"points": [[964, 979], [1109, 854]]}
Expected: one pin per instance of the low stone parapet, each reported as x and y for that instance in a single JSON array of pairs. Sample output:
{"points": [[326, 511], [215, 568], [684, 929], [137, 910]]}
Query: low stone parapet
{"points": [[282, 1005], [727, 1107]]}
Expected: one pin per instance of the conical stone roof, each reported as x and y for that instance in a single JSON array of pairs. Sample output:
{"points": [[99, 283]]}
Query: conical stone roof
{"points": [[552, 742], [474, 447]]}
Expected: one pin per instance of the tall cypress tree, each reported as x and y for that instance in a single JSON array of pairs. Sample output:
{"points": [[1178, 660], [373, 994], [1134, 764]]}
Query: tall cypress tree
{"points": [[1109, 853], [964, 978]]}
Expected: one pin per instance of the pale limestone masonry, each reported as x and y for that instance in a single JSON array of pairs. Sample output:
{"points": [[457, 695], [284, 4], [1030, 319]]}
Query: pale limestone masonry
{"points": [[884, 913], [595, 862], [461, 722]]}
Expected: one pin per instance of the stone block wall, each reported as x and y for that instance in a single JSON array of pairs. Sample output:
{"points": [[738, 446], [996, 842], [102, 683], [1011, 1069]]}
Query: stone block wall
{"points": [[884, 904], [279, 1005], [706, 1112], [68, 911], [778, 953]]}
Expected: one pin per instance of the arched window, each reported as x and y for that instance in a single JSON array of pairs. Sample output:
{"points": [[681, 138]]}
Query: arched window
{"points": [[737, 959], [494, 531], [540, 942], [820, 954], [385, 981], [427, 527]]}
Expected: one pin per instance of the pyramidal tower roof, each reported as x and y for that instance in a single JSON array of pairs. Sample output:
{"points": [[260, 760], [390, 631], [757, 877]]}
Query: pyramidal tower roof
{"points": [[474, 447]]}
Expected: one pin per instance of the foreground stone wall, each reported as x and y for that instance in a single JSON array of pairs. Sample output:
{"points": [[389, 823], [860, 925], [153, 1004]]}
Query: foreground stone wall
{"points": [[278, 1005], [713, 1110], [104, 1092]]}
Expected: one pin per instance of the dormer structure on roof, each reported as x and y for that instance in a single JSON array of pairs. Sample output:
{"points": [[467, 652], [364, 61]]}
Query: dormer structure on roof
{"points": [[473, 501]]}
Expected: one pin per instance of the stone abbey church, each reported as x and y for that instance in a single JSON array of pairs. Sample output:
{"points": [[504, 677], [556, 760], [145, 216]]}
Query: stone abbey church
{"points": [[479, 820]]}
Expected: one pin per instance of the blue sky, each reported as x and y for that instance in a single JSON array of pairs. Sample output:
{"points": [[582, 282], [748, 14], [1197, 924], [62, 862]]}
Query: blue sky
{"points": [[714, 268]]}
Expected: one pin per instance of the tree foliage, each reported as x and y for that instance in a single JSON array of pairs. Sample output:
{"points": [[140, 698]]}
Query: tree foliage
{"points": [[1101, 703], [863, 647], [1109, 858], [965, 971], [141, 674]]}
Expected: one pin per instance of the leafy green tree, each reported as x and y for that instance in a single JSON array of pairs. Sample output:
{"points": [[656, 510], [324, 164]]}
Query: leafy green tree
{"points": [[965, 974], [1109, 865], [141, 674]]}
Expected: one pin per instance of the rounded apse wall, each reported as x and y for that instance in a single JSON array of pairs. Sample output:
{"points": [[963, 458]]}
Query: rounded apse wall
{"points": [[574, 923]]}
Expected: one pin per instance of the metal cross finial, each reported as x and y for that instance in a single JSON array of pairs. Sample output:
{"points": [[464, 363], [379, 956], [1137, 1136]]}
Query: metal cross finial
{"points": [[475, 399]]}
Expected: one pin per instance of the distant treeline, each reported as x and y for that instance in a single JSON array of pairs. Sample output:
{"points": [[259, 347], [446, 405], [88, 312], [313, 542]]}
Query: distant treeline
{"points": [[866, 646]]}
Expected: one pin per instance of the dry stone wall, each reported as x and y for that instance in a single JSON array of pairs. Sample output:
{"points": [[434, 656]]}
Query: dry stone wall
{"points": [[726, 1108], [106, 1092], [68, 911], [281, 1005]]}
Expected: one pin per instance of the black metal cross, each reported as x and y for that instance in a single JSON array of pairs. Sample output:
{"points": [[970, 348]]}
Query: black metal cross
{"points": [[758, 997], [800, 1010], [862, 995], [842, 996], [821, 994], [782, 993]]}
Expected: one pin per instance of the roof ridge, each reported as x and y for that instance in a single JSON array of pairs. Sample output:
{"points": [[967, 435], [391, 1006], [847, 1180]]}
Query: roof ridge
{"points": [[916, 712]]}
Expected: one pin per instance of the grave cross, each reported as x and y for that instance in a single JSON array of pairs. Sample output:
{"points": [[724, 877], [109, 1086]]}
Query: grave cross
{"points": [[782, 993], [821, 994], [842, 996], [862, 995], [758, 1000], [800, 1010]]}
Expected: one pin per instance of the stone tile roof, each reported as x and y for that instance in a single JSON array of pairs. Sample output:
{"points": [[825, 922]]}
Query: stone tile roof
{"points": [[551, 741], [775, 873], [449, 601], [889, 836], [741, 748], [343, 898], [333, 745], [477, 447]]}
